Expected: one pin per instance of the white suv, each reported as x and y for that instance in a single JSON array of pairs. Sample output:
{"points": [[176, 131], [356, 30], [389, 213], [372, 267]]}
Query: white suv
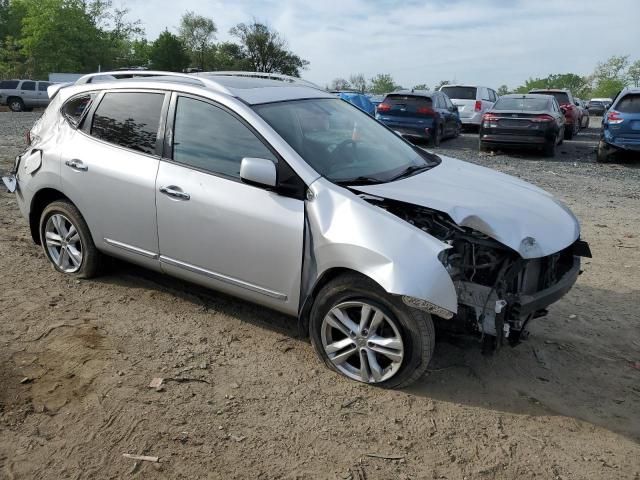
{"points": [[472, 101]]}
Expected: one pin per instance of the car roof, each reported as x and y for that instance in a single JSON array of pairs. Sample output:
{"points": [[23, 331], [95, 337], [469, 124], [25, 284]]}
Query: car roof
{"points": [[416, 93], [250, 87]]}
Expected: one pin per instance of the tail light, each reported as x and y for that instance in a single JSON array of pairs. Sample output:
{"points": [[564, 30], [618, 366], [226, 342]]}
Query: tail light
{"points": [[489, 117], [542, 118], [384, 107], [425, 111], [478, 106], [614, 117]]}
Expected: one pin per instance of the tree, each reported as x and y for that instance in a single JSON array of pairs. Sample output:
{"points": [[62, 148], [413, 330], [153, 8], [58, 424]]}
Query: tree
{"points": [[382, 83], [634, 73], [197, 33], [358, 82], [502, 90], [229, 56], [421, 86], [441, 83], [610, 76], [169, 53], [339, 84], [266, 50]]}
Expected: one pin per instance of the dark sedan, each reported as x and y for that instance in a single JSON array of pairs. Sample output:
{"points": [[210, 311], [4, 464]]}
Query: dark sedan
{"points": [[529, 120]]}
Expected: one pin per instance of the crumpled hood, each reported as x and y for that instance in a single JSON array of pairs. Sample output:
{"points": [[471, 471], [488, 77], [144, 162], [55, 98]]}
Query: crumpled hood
{"points": [[511, 211]]}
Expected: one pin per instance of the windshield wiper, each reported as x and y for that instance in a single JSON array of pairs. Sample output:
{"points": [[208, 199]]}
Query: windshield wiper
{"points": [[359, 181], [410, 170]]}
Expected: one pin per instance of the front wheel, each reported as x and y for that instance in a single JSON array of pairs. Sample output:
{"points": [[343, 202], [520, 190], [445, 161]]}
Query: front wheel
{"points": [[367, 335], [67, 242]]}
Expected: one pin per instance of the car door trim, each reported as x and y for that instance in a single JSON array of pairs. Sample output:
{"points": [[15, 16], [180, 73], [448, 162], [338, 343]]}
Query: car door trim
{"points": [[223, 278], [131, 248]]}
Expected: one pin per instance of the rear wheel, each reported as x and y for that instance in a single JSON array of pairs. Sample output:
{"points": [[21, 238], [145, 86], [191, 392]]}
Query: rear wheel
{"points": [[603, 154], [483, 147], [549, 149], [437, 138], [16, 104], [568, 132], [367, 335], [67, 242]]}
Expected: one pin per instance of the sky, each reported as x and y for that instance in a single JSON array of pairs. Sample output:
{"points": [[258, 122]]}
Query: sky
{"points": [[485, 42]]}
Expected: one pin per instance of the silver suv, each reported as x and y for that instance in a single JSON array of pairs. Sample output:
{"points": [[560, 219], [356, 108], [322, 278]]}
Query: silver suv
{"points": [[280, 193], [21, 95]]}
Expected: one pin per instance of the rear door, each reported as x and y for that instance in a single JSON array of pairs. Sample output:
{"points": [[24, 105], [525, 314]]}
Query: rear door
{"points": [[28, 93], [109, 170], [213, 228]]}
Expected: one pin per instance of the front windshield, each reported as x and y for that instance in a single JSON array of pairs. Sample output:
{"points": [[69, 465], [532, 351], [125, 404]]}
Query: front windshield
{"points": [[343, 143]]}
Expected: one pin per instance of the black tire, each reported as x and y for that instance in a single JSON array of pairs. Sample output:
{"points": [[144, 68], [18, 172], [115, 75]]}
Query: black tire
{"points": [[568, 133], [549, 150], [415, 326], [603, 153], [15, 104], [482, 146], [91, 257], [437, 138]]}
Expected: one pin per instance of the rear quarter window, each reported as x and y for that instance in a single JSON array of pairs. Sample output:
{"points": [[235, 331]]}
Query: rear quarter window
{"points": [[75, 108], [129, 119], [629, 104], [9, 84]]}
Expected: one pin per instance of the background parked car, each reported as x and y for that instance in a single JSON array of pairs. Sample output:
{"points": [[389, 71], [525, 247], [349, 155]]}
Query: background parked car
{"points": [[572, 112], [418, 114], [472, 102], [358, 99], [376, 99], [584, 111], [621, 125], [21, 95], [596, 107], [605, 101], [524, 120]]}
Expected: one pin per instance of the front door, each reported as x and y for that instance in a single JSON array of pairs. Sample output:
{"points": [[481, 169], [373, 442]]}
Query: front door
{"points": [[213, 228], [109, 171]]}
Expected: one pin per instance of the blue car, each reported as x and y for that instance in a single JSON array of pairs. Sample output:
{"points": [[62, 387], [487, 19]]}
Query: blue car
{"points": [[358, 99], [420, 115], [621, 126]]}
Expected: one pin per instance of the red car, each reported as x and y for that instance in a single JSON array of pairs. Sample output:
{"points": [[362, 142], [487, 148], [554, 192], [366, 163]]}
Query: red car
{"points": [[572, 112]]}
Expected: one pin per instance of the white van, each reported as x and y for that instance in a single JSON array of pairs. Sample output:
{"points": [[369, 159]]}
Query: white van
{"points": [[472, 101]]}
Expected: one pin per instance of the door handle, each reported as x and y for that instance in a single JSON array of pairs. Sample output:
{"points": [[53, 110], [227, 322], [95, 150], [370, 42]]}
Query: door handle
{"points": [[76, 164], [172, 192]]}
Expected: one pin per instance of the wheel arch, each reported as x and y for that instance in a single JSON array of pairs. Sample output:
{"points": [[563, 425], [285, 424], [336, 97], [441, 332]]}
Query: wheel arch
{"points": [[39, 202]]}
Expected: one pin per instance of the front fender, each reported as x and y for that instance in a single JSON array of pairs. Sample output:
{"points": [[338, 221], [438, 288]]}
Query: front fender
{"points": [[348, 232]]}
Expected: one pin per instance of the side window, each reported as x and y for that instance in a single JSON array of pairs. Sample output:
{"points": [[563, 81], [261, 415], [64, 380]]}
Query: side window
{"points": [[439, 102], [447, 102], [210, 138], [75, 108], [130, 120], [9, 84], [28, 86], [492, 96], [42, 86], [485, 94]]}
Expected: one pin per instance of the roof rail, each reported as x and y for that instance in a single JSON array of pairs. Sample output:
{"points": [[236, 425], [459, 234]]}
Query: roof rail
{"points": [[271, 76], [118, 74]]}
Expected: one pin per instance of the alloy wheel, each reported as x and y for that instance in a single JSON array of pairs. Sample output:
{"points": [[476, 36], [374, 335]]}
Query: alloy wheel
{"points": [[63, 243], [362, 342]]}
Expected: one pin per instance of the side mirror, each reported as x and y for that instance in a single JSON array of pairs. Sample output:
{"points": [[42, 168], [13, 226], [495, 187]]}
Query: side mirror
{"points": [[258, 171]]}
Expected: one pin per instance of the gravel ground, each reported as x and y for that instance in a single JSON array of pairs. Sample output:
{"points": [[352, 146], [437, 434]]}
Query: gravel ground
{"points": [[244, 398]]}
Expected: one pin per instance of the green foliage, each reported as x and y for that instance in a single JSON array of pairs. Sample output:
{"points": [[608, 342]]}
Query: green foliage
{"points": [[421, 86], [441, 83], [198, 32], [382, 83], [169, 53], [228, 56], [634, 74], [502, 90], [579, 86], [266, 51]]}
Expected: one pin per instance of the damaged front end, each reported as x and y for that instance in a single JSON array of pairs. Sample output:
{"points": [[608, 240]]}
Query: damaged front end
{"points": [[498, 290]]}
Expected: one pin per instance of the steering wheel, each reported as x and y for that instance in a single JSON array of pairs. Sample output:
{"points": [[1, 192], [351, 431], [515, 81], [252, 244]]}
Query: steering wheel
{"points": [[335, 155]]}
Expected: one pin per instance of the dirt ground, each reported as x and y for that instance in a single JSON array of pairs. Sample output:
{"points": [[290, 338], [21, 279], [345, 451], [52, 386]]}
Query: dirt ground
{"points": [[244, 398]]}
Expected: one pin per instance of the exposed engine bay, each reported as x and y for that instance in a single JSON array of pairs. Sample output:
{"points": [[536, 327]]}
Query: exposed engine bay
{"points": [[499, 292]]}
